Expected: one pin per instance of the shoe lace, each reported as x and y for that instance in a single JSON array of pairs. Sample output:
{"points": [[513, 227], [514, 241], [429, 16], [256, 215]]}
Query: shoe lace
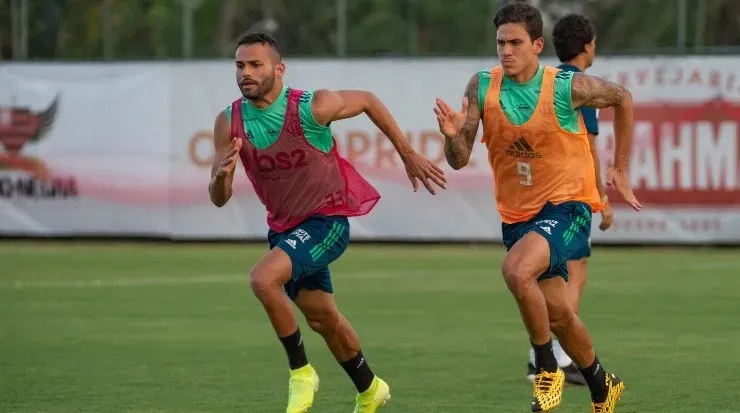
{"points": [[543, 382]]}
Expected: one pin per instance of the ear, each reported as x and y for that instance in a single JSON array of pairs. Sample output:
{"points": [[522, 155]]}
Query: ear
{"points": [[280, 69], [539, 45]]}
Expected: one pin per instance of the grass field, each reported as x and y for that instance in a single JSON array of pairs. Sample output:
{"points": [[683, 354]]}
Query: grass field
{"points": [[174, 328]]}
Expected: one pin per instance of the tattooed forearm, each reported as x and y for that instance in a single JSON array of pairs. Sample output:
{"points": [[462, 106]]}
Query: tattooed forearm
{"points": [[458, 148], [596, 92]]}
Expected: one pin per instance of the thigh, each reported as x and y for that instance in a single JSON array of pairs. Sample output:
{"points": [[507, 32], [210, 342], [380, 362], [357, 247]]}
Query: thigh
{"points": [[312, 246], [566, 227], [528, 257]]}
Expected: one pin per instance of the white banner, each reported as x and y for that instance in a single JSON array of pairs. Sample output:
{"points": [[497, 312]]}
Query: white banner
{"points": [[125, 149]]}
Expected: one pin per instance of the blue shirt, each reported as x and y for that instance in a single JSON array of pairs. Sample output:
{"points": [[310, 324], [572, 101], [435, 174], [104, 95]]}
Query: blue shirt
{"points": [[589, 114]]}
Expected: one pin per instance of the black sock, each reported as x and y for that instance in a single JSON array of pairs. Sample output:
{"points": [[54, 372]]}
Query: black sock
{"points": [[595, 376], [359, 371], [544, 357], [296, 352]]}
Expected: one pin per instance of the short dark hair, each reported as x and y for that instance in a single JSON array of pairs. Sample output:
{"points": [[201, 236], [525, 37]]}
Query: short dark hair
{"points": [[249, 39], [570, 36], [520, 13]]}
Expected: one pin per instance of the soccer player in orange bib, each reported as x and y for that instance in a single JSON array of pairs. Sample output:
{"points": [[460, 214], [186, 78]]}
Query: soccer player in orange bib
{"points": [[545, 189]]}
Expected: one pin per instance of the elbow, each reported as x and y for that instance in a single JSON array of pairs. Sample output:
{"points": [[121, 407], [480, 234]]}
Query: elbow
{"points": [[457, 159], [216, 199], [457, 165], [626, 101], [370, 101]]}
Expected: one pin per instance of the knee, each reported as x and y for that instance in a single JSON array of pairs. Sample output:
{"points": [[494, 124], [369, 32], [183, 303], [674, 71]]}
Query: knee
{"points": [[261, 282], [518, 279], [325, 323]]}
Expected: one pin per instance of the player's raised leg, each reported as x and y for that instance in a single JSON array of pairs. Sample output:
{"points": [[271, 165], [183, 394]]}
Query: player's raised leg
{"points": [[606, 388], [267, 279], [528, 258], [568, 236], [324, 317], [576, 284]]}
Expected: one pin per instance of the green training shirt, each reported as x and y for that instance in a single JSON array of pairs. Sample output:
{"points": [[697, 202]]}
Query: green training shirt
{"points": [[518, 100], [263, 126]]}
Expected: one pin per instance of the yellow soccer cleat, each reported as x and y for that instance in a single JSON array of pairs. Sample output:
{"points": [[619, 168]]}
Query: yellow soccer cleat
{"points": [[616, 387], [548, 390], [375, 397], [303, 384]]}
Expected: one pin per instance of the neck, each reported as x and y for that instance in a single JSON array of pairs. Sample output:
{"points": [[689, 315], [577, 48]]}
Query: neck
{"points": [[269, 98], [579, 62], [527, 74]]}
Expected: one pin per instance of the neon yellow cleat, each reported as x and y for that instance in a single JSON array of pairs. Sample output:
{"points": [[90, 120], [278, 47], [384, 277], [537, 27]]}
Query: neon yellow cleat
{"points": [[548, 390], [616, 387], [376, 396], [303, 384]]}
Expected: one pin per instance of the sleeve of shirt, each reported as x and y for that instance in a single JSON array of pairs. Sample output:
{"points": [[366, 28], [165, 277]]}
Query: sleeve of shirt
{"points": [[317, 133], [590, 120], [563, 102], [484, 82], [306, 114]]}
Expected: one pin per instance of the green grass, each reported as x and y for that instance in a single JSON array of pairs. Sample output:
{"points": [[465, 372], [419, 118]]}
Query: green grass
{"points": [[90, 327]]}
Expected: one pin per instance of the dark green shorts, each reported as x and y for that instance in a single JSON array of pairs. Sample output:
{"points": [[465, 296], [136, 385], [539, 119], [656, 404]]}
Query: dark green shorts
{"points": [[566, 227], [312, 246], [583, 252]]}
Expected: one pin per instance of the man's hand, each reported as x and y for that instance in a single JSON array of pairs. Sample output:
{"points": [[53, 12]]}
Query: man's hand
{"points": [[450, 122], [618, 178], [607, 217], [421, 168], [228, 161]]}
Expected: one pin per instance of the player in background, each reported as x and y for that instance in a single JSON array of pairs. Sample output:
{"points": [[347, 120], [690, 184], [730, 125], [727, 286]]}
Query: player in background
{"points": [[545, 189], [282, 136], [574, 38]]}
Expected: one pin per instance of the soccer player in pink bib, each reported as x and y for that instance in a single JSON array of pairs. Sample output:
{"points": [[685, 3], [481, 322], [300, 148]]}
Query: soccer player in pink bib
{"points": [[282, 136]]}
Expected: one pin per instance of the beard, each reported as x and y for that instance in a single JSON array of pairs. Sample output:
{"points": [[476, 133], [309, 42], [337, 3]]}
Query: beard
{"points": [[259, 90]]}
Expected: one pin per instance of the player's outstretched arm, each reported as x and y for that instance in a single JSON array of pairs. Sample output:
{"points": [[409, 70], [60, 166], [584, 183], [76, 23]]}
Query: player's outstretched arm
{"points": [[460, 128], [596, 92], [224, 161], [328, 106]]}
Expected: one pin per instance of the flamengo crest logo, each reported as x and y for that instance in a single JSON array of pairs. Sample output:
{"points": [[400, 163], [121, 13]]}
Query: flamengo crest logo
{"points": [[19, 126]]}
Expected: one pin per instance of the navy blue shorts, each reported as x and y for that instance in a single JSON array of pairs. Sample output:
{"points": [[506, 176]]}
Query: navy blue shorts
{"points": [[583, 252], [566, 227], [312, 245]]}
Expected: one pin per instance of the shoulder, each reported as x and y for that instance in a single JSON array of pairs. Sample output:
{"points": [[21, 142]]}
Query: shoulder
{"points": [[323, 100], [321, 97], [227, 111], [481, 79], [563, 76], [313, 106], [563, 85]]}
